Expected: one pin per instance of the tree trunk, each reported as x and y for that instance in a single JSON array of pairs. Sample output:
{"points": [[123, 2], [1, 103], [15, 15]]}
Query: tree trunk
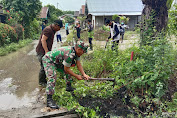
{"points": [[154, 15]]}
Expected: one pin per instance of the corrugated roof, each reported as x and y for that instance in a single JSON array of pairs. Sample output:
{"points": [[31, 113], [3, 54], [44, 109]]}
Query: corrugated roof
{"points": [[112, 7], [44, 12]]}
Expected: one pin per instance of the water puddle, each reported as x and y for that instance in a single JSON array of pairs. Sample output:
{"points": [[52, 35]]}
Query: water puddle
{"points": [[18, 78]]}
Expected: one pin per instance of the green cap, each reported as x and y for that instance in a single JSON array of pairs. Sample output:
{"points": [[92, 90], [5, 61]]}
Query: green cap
{"points": [[82, 45]]}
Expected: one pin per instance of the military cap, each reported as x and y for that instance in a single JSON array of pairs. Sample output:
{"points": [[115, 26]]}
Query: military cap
{"points": [[82, 45]]}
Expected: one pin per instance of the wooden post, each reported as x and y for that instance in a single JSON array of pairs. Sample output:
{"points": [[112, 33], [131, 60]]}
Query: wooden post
{"points": [[131, 56]]}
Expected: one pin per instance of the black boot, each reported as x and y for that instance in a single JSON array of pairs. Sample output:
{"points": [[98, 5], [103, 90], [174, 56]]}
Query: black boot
{"points": [[42, 78], [69, 88], [91, 47], [51, 103]]}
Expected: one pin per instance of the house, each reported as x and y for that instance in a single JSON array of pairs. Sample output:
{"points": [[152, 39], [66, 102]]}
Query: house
{"points": [[2, 15], [44, 14], [76, 14], [82, 11], [99, 10], [63, 16]]}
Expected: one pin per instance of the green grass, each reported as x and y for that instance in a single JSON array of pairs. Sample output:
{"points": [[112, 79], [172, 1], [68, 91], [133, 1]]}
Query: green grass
{"points": [[13, 47], [131, 35]]}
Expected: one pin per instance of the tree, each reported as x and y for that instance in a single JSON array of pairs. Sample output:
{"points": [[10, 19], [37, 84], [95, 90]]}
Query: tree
{"points": [[123, 19], [54, 13], [114, 17], [69, 19], [29, 10], [154, 17], [68, 12]]}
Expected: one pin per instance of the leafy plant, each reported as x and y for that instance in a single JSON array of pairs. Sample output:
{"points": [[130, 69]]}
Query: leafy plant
{"points": [[69, 19], [114, 17], [172, 21], [13, 46], [28, 11], [7, 34], [124, 19]]}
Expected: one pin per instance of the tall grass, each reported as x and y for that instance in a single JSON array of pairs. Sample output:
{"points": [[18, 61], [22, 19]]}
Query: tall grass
{"points": [[13, 47]]}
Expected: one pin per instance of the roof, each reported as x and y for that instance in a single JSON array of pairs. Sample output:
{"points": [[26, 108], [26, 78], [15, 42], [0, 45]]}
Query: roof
{"points": [[112, 7], [44, 12]]}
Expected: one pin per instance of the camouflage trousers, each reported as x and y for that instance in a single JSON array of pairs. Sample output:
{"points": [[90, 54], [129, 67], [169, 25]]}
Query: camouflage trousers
{"points": [[50, 70]]}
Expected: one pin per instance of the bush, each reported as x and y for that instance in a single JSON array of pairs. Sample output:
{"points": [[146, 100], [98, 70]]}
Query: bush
{"points": [[172, 21], [33, 30], [7, 34], [13, 46], [19, 30]]}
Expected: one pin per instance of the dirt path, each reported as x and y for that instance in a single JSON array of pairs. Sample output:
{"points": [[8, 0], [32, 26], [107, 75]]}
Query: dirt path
{"points": [[125, 44], [20, 95]]}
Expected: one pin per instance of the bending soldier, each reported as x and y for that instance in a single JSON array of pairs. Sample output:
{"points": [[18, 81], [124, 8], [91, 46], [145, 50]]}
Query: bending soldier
{"points": [[62, 59]]}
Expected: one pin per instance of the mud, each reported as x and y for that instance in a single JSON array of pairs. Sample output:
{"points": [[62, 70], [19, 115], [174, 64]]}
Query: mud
{"points": [[110, 107], [20, 95]]}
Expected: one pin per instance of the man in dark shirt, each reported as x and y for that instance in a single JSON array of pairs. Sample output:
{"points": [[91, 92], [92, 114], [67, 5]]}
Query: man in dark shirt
{"points": [[78, 29], [45, 45]]}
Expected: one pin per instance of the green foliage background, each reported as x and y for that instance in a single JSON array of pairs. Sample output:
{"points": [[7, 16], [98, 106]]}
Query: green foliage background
{"points": [[29, 10]]}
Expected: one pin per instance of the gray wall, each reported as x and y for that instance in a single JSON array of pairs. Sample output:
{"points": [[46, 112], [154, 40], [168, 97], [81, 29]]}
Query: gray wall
{"points": [[133, 21], [99, 20]]}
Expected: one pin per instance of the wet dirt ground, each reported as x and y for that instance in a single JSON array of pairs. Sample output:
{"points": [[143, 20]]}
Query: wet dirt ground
{"points": [[20, 95]]}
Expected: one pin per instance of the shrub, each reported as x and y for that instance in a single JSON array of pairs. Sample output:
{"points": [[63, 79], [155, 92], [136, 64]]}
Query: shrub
{"points": [[13, 46], [19, 30], [7, 34]]}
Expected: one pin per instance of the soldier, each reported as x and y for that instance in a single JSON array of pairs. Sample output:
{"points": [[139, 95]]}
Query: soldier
{"points": [[90, 33], [61, 60]]}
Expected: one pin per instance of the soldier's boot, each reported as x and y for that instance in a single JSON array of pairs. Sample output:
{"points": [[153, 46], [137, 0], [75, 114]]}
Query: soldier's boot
{"points": [[42, 78], [69, 88], [51, 103], [91, 47]]}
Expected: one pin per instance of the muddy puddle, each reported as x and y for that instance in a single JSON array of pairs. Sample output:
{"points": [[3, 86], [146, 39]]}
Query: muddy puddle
{"points": [[18, 78]]}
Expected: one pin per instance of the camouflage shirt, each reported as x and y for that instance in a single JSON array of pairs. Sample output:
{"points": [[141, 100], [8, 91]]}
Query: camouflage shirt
{"points": [[64, 56]]}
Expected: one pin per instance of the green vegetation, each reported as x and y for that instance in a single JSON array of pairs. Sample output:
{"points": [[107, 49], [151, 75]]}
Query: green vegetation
{"points": [[7, 34], [69, 19], [122, 19], [172, 22], [24, 12], [146, 78], [149, 72], [13, 46], [54, 13]]}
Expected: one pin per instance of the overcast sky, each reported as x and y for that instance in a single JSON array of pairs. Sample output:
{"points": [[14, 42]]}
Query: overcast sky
{"points": [[73, 5]]}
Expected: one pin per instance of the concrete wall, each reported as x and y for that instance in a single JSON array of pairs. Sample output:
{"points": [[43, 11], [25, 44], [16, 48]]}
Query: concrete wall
{"points": [[99, 20], [133, 21]]}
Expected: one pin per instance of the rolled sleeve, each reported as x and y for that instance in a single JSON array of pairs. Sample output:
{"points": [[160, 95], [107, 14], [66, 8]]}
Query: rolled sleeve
{"points": [[66, 64]]}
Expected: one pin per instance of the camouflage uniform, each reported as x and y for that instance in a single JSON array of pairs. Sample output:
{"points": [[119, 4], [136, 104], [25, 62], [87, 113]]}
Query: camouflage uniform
{"points": [[56, 60], [90, 35]]}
